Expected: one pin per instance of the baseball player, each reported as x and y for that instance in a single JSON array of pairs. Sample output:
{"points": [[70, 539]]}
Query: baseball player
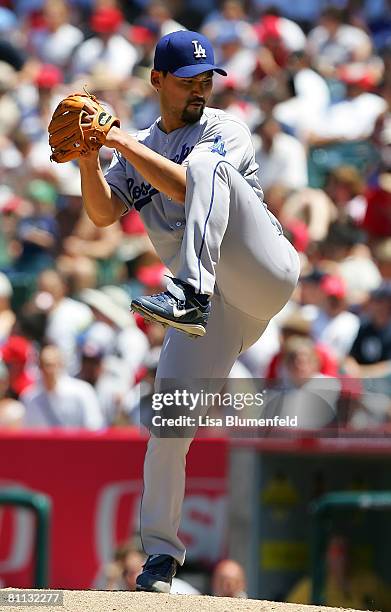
{"points": [[193, 178]]}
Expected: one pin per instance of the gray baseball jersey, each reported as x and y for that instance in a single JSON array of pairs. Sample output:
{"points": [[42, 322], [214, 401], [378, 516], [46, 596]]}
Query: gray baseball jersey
{"points": [[218, 132]]}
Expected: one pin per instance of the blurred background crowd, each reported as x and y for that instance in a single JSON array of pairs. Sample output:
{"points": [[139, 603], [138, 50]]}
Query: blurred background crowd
{"points": [[312, 81]]}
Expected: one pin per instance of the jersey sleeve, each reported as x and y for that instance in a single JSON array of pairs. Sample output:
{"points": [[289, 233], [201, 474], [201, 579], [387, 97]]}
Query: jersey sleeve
{"points": [[116, 178], [229, 138]]}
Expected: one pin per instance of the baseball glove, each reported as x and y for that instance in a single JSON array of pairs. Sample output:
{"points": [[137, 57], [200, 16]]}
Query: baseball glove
{"points": [[79, 125]]}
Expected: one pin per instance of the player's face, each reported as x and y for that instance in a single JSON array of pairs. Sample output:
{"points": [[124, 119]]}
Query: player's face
{"points": [[185, 98]]}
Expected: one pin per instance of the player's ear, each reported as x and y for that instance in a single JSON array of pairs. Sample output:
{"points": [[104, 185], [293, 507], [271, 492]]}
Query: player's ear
{"points": [[156, 79]]}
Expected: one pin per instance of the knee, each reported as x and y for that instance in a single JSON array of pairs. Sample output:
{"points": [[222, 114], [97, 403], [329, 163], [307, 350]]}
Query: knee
{"points": [[203, 164]]}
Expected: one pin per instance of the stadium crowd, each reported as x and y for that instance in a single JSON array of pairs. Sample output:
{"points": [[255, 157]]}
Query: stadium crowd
{"points": [[312, 81]]}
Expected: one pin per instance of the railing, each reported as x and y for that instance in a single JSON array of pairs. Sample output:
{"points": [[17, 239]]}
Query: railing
{"points": [[41, 506]]}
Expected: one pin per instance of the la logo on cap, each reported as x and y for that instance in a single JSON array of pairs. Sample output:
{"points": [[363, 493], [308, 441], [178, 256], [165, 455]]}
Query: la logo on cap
{"points": [[199, 50]]}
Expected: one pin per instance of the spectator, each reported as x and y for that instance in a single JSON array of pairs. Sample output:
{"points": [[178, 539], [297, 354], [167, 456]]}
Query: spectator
{"points": [[371, 409], [377, 220], [113, 572], [69, 214], [311, 294], [279, 35], [360, 274], [52, 297], [130, 343], [238, 60], [345, 186], [8, 105], [304, 394], [37, 232], [341, 241], [11, 47], [81, 245], [344, 251], [230, 99], [10, 211], [38, 109], [229, 580], [132, 566], [232, 13], [334, 326], [382, 254], [314, 208], [144, 35], [310, 95], [370, 354], [88, 241], [296, 325], [58, 400], [18, 355], [11, 410], [55, 43], [7, 315], [333, 42], [160, 14], [105, 371], [281, 157], [382, 135], [346, 585], [106, 46], [305, 13], [353, 118]]}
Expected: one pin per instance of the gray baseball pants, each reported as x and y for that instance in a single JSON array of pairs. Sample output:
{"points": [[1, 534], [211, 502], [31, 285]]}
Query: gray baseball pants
{"points": [[232, 249]]}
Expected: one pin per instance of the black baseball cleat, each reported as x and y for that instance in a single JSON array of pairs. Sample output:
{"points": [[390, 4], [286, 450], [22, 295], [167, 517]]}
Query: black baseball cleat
{"points": [[157, 575], [180, 307]]}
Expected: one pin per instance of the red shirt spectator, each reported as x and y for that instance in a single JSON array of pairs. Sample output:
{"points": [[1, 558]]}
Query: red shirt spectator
{"points": [[297, 325], [17, 354], [377, 221], [327, 364]]}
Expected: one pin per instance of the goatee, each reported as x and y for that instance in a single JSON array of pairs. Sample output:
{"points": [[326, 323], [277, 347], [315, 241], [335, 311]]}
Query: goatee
{"points": [[192, 114]]}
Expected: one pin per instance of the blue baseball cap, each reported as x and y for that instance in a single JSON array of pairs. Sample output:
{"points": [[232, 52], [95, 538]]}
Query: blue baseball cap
{"points": [[185, 54]]}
